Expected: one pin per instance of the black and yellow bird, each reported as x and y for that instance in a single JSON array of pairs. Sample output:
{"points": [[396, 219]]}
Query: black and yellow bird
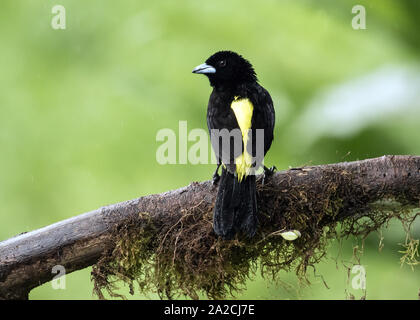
{"points": [[237, 104]]}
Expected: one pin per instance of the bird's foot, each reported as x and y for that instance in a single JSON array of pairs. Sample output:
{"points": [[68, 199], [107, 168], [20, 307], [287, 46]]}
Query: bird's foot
{"points": [[268, 172], [216, 178]]}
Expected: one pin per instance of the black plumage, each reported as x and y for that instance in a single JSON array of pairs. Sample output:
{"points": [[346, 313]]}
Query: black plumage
{"points": [[236, 96]]}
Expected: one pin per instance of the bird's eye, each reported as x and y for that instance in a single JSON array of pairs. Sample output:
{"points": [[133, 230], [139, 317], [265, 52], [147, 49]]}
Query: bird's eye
{"points": [[222, 63]]}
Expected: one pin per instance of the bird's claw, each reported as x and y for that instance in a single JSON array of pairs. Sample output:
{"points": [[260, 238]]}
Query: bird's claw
{"points": [[216, 178], [268, 172]]}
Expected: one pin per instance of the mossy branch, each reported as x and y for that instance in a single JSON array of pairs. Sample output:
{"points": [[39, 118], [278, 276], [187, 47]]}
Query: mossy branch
{"points": [[166, 244]]}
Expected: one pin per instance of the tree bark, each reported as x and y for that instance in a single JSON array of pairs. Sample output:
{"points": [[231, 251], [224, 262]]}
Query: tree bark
{"points": [[26, 260]]}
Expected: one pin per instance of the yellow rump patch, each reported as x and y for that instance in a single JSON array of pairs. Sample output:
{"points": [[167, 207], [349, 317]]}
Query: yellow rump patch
{"points": [[243, 110]]}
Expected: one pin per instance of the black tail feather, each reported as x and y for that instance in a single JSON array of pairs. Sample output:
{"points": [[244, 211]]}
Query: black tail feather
{"points": [[236, 206]]}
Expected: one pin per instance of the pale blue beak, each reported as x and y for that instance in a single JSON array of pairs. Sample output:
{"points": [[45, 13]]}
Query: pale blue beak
{"points": [[204, 68]]}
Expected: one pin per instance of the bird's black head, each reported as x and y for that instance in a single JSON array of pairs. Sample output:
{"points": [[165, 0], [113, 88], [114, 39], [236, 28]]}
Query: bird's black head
{"points": [[227, 69]]}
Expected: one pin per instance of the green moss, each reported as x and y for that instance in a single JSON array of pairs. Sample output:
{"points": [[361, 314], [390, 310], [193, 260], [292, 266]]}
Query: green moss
{"points": [[182, 256]]}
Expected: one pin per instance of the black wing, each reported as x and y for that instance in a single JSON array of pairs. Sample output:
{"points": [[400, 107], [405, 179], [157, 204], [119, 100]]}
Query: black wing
{"points": [[263, 118], [220, 116]]}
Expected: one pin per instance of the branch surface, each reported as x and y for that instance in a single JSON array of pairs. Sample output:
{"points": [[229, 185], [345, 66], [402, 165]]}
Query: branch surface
{"points": [[26, 260]]}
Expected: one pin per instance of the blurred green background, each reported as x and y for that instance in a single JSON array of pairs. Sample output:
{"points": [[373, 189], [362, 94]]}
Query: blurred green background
{"points": [[80, 108]]}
